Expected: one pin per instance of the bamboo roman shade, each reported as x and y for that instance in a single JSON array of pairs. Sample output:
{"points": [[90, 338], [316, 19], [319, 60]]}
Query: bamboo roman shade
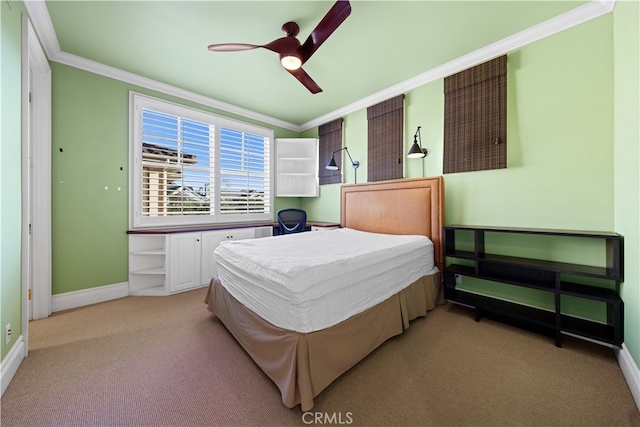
{"points": [[330, 140], [385, 122], [475, 118]]}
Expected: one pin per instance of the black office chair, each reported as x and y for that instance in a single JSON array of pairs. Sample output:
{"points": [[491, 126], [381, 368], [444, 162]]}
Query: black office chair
{"points": [[292, 220]]}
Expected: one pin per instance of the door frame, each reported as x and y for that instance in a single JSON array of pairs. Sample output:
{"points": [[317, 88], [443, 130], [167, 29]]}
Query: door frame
{"points": [[36, 204]]}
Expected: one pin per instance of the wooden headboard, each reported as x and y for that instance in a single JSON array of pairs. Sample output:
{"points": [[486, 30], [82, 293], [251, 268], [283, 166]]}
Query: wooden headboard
{"points": [[401, 206]]}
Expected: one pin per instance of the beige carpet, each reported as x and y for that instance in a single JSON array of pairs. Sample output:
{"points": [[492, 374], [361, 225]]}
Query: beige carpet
{"points": [[167, 361]]}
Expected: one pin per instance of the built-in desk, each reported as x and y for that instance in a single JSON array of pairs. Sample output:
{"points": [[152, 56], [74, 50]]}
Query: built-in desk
{"points": [[163, 261]]}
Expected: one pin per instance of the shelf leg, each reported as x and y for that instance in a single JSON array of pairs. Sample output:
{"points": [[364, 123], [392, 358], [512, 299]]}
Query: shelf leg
{"points": [[478, 314], [558, 312], [615, 316], [558, 339]]}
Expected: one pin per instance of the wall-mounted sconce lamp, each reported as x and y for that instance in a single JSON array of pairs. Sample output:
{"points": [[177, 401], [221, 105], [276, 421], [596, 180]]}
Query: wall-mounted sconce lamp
{"points": [[332, 165], [416, 151]]}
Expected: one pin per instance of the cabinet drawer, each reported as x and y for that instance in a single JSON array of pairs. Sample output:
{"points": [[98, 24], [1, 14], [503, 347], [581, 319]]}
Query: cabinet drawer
{"points": [[318, 228]]}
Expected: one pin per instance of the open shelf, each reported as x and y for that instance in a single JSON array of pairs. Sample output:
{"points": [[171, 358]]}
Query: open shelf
{"points": [[470, 272], [539, 274], [531, 315], [296, 168], [150, 252], [553, 266], [158, 270]]}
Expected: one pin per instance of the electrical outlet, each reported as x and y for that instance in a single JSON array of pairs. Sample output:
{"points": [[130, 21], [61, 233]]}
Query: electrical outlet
{"points": [[7, 333], [458, 279]]}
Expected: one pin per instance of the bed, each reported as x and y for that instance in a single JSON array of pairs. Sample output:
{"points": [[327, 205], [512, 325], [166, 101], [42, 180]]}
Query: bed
{"points": [[304, 358]]}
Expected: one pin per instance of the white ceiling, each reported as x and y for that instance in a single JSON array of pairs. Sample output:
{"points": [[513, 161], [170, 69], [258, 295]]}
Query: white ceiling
{"points": [[382, 49]]}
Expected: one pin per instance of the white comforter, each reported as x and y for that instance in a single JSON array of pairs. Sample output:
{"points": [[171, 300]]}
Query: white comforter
{"points": [[309, 281]]}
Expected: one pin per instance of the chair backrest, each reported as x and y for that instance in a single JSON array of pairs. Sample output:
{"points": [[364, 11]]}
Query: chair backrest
{"points": [[292, 220]]}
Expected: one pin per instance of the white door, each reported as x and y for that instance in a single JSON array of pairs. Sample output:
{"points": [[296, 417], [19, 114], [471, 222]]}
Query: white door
{"points": [[27, 201], [36, 180]]}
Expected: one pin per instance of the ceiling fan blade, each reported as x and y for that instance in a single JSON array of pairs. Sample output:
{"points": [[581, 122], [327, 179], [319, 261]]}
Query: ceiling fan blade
{"points": [[306, 80], [283, 45], [231, 47], [332, 20], [289, 46]]}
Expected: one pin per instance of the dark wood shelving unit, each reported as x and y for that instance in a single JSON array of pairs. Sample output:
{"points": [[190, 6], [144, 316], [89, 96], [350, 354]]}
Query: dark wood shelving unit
{"points": [[544, 275]]}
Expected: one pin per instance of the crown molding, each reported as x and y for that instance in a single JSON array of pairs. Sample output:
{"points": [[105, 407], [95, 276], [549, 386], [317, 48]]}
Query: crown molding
{"points": [[44, 28], [569, 19], [127, 77], [41, 22]]}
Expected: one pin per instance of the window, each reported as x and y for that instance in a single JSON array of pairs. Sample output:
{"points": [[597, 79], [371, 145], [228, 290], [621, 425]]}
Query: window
{"points": [[192, 167], [475, 118], [385, 123], [330, 140]]}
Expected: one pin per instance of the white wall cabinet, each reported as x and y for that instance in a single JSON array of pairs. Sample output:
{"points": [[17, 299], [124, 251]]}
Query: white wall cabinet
{"points": [[161, 264], [297, 167]]}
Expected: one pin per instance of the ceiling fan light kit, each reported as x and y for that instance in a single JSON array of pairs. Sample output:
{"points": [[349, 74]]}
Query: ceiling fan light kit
{"points": [[292, 53], [290, 62]]}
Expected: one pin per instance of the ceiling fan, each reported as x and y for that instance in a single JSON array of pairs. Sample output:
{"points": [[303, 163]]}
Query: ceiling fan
{"points": [[292, 53]]}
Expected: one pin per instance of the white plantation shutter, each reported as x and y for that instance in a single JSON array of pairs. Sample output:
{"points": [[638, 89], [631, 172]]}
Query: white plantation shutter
{"points": [[177, 165], [244, 172], [192, 167]]}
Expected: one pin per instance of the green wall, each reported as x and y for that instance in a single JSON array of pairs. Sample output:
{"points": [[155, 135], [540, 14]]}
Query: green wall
{"points": [[560, 147], [560, 140], [10, 170], [560, 157], [565, 171], [90, 152], [560, 124], [626, 35]]}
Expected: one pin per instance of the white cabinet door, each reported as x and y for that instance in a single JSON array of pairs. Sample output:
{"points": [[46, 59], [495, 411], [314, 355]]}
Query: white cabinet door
{"points": [[184, 261], [210, 241], [241, 234]]}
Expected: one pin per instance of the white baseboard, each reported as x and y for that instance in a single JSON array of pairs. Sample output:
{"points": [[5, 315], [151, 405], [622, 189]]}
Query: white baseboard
{"points": [[11, 363], [89, 296], [630, 371]]}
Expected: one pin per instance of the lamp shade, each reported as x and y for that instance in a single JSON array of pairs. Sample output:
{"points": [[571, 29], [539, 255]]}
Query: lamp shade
{"points": [[416, 152], [332, 164]]}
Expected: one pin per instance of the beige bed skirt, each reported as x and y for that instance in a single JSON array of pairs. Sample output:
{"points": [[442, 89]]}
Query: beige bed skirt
{"points": [[303, 364]]}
